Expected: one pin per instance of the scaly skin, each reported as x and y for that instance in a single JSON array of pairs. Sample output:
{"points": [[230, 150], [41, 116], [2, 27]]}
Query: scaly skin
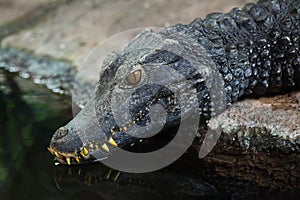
{"points": [[255, 49]]}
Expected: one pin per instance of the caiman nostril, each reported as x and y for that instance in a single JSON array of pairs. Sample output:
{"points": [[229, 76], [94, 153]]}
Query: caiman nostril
{"points": [[61, 132]]}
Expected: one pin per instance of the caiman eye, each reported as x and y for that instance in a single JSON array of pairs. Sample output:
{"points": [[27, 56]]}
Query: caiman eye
{"points": [[134, 77]]}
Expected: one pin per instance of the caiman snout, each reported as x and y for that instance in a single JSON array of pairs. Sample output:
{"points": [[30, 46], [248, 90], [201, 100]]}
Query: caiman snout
{"points": [[67, 147], [65, 142]]}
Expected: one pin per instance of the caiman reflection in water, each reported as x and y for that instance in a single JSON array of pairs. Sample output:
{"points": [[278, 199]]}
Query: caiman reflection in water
{"points": [[173, 182]]}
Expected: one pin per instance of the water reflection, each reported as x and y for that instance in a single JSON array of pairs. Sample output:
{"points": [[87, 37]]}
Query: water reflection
{"points": [[111, 184], [16, 127], [29, 115]]}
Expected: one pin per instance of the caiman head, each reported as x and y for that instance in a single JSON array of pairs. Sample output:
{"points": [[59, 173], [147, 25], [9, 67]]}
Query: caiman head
{"points": [[150, 72]]}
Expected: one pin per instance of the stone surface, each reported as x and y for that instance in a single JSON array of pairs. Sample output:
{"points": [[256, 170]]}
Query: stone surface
{"points": [[265, 123], [56, 75], [27, 19], [13, 9], [71, 35]]}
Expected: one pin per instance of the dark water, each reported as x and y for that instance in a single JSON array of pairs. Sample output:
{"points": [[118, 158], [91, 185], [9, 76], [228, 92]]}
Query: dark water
{"points": [[29, 116]]}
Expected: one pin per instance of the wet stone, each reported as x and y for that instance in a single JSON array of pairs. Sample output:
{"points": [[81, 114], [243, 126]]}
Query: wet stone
{"points": [[56, 75]]}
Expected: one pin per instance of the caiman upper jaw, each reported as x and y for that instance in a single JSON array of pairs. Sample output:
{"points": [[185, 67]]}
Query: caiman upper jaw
{"points": [[68, 158], [67, 147]]}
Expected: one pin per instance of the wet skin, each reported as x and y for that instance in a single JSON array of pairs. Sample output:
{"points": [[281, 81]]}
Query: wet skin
{"points": [[254, 49]]}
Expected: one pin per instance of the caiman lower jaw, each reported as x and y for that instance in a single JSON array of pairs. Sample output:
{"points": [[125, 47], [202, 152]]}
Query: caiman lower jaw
{"points": [[70, 158]]}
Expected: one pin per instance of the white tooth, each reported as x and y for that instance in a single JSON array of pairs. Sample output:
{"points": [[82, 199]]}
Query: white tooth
{"points": [[112, 142], [57, 155], [107, 176], [77, 159], [105, 147], [116, 177], [50, 150], [68, 161], [84, 152], [112, 132]]}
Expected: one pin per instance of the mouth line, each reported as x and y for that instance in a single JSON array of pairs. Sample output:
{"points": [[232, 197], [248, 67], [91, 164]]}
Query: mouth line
{"points": [[68, 158], [83, 154], [78, 156]]}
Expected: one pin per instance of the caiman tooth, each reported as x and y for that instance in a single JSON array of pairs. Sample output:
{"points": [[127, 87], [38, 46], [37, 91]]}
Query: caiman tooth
{"points": [[84, 152], [113, 132], [107, 175], [57, 155], [115, 178], [68, 160], [77, 159], [81, 153], [112, 142], [105, 147], [50, 150]]}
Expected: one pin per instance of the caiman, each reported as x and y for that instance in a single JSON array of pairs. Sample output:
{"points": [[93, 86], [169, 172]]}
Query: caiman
{"points": [[255, 49]]}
